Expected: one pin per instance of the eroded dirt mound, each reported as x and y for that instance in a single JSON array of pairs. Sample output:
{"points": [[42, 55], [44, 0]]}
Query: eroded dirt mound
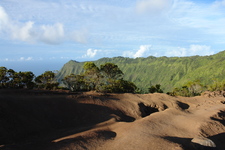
{"points": [[61, 121]]}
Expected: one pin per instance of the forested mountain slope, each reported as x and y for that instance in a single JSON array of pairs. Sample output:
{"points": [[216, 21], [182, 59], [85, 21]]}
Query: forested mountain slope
{"points": [[170, 72]]}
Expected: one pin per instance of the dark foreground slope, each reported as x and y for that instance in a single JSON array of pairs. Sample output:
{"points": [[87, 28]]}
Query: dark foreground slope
{"points": [[41, 120], [25, 114], [170, 72]]}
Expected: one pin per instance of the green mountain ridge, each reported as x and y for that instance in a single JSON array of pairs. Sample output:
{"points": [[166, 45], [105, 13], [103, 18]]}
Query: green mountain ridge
{"points": [[170, 72]]}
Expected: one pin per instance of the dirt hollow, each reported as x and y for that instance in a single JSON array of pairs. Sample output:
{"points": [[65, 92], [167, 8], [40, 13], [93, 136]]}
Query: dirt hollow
{"points": [[44, 120]]}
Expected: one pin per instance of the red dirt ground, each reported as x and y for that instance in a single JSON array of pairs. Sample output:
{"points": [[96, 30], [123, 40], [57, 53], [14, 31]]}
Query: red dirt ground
{"points": [[46, 120]]}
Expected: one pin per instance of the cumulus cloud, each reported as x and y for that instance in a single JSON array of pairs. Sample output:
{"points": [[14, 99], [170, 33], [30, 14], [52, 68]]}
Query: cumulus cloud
{"points": [[152, 6], [143, 49], [23, 33], [52, 34], [141, 52], [28, 32], [91, 53], [192, 50], [4, 19]]}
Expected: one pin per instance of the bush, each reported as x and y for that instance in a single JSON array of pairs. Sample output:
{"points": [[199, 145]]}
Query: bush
{"points": [[118, 86], [155, 89]]}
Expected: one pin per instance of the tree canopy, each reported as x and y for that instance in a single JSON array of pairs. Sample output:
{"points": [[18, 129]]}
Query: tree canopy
{"points": [[12, 79], [46, 80], [111, 71], [107, 78]]}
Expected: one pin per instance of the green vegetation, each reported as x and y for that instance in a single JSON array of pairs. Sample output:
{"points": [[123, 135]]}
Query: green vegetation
{"points": [[169, 72], [192, 88], [11, 79], [217, 85], [107, 78], [185, 76], [155, 89], [46, 80]]}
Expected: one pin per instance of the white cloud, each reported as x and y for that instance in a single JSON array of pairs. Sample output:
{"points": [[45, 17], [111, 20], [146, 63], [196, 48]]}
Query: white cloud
{"points": [[192, 50], [23, 33], [152, 6], [91, 53], [17, 59], [52, 34], [115, 25], [141, 52], [3, 18], [30, 58], [143, 49], [178, 52], [25, 59], [6, 59], [29, 32], [22, 58], [65, 58], [5, 26]]}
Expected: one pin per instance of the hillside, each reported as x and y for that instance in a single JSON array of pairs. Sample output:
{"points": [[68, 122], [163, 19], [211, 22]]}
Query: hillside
{"points": [[170, 72], [50, 120]]}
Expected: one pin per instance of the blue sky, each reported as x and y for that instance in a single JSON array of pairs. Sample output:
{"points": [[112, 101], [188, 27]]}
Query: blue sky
{"points": [[40, 35]]}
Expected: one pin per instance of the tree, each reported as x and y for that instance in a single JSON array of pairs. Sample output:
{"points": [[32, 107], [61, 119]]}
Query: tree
{"points": [[155, 89], [194, 87], [3, 76], [111, 71], [46, 77], [91, 75], [11, 75], [118, 86], [106, 79], [123, 86], [22, 79], [46, 80], [75, 82], [90, 68]]}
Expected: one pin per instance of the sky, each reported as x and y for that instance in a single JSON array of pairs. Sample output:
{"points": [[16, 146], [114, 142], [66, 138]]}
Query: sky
{"points": [[42, 35]]}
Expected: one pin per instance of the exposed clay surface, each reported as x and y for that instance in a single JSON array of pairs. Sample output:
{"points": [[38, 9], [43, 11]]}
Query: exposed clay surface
{"points": [[43, 120]]}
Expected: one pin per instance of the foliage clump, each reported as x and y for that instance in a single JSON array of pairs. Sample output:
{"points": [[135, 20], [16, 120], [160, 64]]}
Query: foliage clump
{"points": [[12, 79], [155, 89], [217, 85], [196, 88], [106, 78], [46, 80], [192, 88]]}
